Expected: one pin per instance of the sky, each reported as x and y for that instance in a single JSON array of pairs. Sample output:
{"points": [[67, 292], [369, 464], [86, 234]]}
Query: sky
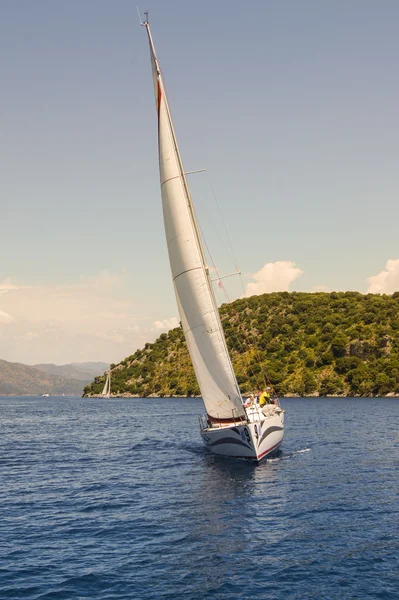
{"points": [[292, 107]]}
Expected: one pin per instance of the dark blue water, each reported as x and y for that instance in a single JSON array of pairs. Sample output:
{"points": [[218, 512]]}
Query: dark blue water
{"points": [[118, 499]]}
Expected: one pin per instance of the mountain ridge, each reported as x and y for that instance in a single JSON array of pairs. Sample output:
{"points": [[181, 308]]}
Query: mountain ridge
{"points": [[17, 379], [78, 371]]}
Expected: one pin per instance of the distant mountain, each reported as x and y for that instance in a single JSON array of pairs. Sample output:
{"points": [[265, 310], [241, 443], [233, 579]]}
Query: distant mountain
{"points": [[21, 380], [92, 367], [83, 372]]}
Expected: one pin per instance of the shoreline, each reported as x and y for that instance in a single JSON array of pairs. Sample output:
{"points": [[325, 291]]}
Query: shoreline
{"points": [[155, 396]]}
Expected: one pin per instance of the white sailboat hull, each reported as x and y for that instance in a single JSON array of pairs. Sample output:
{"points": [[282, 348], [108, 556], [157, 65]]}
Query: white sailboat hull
{"points": [[254, 440]]}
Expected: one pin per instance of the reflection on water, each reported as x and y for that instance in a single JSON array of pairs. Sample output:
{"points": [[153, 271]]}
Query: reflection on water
{"points": [[237, 477], [238, 508]]}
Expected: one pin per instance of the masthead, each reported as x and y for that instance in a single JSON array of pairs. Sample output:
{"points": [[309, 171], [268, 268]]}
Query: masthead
{"points": [[145, 22]]}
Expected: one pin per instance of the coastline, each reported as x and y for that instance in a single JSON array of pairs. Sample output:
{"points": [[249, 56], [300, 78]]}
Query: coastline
{"points": [[156, 396]]}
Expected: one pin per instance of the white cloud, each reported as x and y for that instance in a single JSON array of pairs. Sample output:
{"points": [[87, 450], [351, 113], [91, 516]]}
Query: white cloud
{"points": [[6, 286], [112, 315], [117, 338], [104, 280], [5, 317], [320, 288], [386, 281], [273, 277], [30, 335], [94, 318], [167, 324]]}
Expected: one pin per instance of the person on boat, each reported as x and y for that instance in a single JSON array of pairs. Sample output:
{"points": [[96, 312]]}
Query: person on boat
{"points": [[250, 401], [265, 398]]}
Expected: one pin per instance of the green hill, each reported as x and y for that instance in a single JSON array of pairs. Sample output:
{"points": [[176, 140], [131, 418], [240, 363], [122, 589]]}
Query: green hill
{"points": [[308, 344]]}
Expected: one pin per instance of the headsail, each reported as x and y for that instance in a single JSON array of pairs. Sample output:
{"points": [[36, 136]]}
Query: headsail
{"points": [[193, 288]]}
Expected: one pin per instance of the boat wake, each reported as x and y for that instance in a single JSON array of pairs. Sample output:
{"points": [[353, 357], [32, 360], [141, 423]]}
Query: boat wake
{"points": [[289, 455]]}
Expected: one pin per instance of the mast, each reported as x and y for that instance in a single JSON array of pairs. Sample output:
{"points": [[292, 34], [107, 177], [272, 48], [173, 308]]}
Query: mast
{"points": [[176, 147], [193, 287]]}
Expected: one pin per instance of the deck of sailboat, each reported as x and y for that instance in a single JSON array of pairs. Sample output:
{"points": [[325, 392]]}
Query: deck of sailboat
{"points": [[258, 413], [254, 414]]}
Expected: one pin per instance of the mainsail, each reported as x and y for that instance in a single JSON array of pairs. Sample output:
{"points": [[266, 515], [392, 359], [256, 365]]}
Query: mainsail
{"points": [[193, 288]]}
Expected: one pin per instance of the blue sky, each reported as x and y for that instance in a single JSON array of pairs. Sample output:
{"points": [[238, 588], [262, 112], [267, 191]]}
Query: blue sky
{"points": [[292, 108]]}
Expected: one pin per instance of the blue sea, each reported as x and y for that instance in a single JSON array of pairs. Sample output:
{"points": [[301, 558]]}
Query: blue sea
{"points": [[118, 499]]}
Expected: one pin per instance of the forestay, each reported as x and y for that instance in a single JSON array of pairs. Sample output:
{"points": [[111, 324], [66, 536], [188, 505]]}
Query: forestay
{"points": [[195, 298]]}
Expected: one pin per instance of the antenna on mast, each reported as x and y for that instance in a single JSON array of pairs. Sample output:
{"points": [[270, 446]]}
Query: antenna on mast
{"points": [[142, 23]]}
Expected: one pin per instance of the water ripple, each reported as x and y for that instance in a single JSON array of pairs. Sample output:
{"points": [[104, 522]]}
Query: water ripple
{"points": [[120, 500]]}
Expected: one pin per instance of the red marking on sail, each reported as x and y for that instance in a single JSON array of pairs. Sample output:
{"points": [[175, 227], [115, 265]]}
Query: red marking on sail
{"points": [[159, 96]]}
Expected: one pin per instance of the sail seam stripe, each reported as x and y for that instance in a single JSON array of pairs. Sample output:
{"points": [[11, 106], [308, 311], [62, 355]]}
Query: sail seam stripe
{"points": [[170, 179], [187, 271]]}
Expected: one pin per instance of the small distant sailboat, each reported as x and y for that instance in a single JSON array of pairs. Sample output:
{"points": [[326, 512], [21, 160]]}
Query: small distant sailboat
{"points": [[228, 427], [107, 387]]}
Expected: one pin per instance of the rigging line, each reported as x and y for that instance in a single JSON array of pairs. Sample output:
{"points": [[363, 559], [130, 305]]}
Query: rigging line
{"points": [[222, 286], [234, 311], [228, 248], [249, 368], [246, 335], [258, 359], [223, 222], [204, 239], [235, 264], [195, 225], [178, 369], [264, 374], [231, 251], [257, 356]]}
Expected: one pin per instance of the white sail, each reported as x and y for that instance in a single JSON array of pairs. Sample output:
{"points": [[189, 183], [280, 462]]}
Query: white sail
{"points": [[195, 298], [107, 387]]}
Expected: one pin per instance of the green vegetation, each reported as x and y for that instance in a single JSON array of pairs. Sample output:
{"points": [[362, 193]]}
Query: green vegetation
{"points": [[307, 344]]}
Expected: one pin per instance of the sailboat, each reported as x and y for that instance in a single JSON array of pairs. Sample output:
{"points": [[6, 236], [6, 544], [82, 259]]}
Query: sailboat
{"points": [[227, 428], [107, 387]]}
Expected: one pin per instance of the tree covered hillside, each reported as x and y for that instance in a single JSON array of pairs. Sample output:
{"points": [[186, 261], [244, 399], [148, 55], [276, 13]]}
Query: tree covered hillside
{"points": [[322, 343]]}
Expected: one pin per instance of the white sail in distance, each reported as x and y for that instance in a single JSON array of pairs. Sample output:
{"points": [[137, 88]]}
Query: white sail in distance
{"points": [[107, 387], [195, 298]]}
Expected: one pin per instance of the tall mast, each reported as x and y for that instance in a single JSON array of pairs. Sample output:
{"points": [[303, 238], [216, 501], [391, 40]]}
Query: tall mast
{"points": [[193, 287], [176, 147]]}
